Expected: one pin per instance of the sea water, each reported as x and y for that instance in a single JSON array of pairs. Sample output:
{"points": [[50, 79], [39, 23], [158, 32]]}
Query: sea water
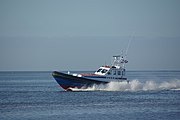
{"points": [[150, 95]]}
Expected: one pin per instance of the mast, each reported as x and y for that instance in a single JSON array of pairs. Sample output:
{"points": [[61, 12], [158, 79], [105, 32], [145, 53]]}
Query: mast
{"points": [[119, 61]]}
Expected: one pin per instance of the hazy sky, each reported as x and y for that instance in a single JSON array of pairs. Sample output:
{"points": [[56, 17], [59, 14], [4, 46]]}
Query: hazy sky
{"points": [[84, 34]]}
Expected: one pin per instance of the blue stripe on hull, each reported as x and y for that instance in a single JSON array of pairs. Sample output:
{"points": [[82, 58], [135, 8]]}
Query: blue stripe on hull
{"points": [[94, 77]]}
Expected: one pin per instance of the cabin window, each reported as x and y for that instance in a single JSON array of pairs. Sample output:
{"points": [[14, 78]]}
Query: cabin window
{"points": [[123, 72], [109, 73], [119, 72], [114, 72], [104, 71], [99, 70]]}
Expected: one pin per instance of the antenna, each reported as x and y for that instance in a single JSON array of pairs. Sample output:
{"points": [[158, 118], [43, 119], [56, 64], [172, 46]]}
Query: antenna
{"points": [[129, 43]]}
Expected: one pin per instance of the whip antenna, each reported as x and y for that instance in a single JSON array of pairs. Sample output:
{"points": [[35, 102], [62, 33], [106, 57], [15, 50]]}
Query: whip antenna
{"points": [[129, 43]]}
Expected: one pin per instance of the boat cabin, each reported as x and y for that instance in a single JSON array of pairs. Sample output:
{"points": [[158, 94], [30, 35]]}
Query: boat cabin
{"points": [[117, 69]]}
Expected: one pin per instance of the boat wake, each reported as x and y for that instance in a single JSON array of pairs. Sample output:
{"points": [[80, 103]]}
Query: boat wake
{"points": [[134, 85]]}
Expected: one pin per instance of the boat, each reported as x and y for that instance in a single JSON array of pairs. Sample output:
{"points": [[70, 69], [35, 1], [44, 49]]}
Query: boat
{"points": [[104, 75]]}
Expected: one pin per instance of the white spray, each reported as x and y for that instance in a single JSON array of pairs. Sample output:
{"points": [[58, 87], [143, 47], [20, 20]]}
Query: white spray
{"points": [[134, 85]]}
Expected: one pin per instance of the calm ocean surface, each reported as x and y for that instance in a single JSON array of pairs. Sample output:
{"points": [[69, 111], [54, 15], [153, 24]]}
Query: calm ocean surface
{"points": [[151, 95]]}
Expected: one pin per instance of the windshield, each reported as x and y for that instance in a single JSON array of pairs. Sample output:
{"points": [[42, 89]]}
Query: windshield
{"points": [[99, 70], [104, 71]]}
